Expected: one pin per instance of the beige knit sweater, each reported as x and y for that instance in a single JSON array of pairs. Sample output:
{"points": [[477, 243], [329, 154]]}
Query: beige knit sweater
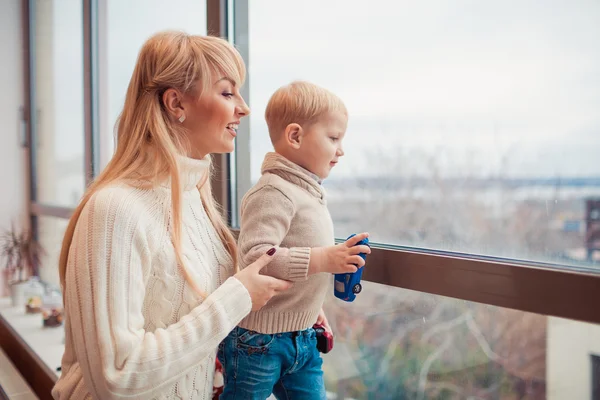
{"points": [[134, 328], [286, 209]]}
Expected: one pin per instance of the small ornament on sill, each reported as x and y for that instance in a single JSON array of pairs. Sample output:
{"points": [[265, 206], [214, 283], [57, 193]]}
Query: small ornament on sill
{"points": [[52, 309], [34, 291], [53, 317], [34, 305]]}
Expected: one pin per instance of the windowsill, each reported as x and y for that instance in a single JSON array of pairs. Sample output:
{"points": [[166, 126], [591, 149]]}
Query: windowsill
{"points": [[46, 343], [12, 384]]}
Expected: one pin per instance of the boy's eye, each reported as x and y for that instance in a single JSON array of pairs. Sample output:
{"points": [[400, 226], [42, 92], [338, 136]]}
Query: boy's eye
{"points": [[334, 139]]}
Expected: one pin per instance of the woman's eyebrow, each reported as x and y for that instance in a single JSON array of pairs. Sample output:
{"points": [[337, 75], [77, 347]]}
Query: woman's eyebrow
{"points": [[226, 78]]}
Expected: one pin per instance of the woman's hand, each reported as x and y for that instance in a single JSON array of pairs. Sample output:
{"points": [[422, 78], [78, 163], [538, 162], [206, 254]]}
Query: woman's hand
{"points": [[261, 287]]}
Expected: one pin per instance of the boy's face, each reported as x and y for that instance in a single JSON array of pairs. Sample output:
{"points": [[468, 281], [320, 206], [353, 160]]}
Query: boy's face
{"points": [[321, 145]]}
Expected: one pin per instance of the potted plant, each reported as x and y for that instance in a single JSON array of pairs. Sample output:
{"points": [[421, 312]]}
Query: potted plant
{"points": [[21, 254], [10, 252]]}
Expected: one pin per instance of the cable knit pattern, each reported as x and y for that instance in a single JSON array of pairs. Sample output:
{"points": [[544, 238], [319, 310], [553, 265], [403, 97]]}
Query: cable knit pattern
{"points": [[134, 328]]}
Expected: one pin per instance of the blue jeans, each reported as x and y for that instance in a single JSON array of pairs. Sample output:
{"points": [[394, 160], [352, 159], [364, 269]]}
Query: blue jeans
{"points": [[285, 364]]}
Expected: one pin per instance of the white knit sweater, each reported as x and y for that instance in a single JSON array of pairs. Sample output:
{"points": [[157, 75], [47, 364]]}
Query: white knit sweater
{"points": [[134, 328]]}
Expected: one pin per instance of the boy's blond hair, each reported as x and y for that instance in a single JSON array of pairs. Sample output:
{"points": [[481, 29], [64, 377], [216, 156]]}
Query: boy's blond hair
{"points": [[299, 102]]}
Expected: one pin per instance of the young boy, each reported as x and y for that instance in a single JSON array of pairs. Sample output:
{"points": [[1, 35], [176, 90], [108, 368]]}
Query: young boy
{"points": [[273, 350]]}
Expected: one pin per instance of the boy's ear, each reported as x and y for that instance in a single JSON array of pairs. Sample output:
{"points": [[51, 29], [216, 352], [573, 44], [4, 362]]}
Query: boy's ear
{"points": [[293, 135]]}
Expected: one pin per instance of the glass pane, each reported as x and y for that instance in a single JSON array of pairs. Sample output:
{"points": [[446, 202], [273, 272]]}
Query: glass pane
{"points": [[393, 343], [58, 69], [50, 233], [129, 24], [473, 125]]}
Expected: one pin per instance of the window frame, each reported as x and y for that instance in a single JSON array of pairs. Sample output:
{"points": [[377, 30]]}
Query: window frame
{"points": [[545, 289]]}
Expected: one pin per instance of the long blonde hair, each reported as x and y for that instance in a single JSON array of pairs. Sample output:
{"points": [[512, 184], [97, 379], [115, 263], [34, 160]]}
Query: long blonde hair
{"points": [[149, 141]]}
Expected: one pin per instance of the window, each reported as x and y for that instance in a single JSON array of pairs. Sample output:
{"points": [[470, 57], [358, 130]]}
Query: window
{"points": [[128, 24], [473, 125], [51, 231], [472, 132], [473, 129], [396, 343], [58, 102]]}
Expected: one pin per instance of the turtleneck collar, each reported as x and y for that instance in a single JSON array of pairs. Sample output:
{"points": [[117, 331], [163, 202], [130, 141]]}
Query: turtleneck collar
{"points": [[191, 171], [279, 165]]}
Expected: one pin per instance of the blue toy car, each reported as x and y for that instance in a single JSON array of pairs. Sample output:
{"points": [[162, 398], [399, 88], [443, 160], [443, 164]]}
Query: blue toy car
{"points": [[347, 286]]}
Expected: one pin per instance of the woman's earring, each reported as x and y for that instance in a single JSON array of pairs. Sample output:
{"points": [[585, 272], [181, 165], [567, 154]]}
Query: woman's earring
{"points": [[182, 118]]}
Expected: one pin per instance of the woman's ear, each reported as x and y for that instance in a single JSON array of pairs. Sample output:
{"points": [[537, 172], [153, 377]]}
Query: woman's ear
{"points": [[293, 135], [172, 101]]}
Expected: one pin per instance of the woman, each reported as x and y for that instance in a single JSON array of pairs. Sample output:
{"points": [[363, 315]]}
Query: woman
{"points": [[148, 267]]}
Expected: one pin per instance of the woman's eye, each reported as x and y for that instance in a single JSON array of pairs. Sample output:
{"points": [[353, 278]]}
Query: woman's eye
{"points": [[228, 95], [334, 139]]}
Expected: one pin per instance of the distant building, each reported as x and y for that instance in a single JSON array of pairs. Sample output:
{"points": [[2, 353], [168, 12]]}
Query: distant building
{"points": [[592, 220]]}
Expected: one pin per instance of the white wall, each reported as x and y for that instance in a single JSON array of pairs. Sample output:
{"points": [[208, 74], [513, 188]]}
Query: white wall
{"points": [[569, 365], [13, 182], [124, 27]]}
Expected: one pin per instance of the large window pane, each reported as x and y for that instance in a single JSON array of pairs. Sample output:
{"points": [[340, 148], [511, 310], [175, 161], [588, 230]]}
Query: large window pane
{"points": [[399, 344], [473, 125], [51, 231], [58, 101], [129, 24]]}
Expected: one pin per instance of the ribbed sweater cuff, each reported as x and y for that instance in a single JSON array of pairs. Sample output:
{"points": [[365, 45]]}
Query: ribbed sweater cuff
{"points": [[299, 260]]}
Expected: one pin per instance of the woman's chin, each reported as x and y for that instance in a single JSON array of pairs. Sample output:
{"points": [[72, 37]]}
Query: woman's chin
{"points": [[225, 148]]}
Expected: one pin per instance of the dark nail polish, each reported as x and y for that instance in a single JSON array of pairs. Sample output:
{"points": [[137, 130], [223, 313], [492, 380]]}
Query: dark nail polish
{"points": [[271, 251]]}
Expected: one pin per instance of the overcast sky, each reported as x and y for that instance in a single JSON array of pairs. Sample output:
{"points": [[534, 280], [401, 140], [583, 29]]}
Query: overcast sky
{"points": [[476, 82], [480, 85]]}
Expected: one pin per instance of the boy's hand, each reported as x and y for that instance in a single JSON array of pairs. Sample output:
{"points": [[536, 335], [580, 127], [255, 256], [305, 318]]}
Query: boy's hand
{"points": [[322, 320], [339, 259]]}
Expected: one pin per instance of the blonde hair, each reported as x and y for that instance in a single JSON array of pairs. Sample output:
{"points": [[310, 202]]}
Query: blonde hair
{"points": [[299, 102], [149, 141]]}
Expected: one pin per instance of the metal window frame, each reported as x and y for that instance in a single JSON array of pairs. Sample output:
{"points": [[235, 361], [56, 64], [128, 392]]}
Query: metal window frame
{"points": [[532, 287], [217, 25], [90, 89], [28, 114], [231, 179]]}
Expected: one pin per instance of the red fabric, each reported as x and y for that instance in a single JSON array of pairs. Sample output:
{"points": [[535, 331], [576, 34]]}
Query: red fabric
{"points": [[218, 381]]}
